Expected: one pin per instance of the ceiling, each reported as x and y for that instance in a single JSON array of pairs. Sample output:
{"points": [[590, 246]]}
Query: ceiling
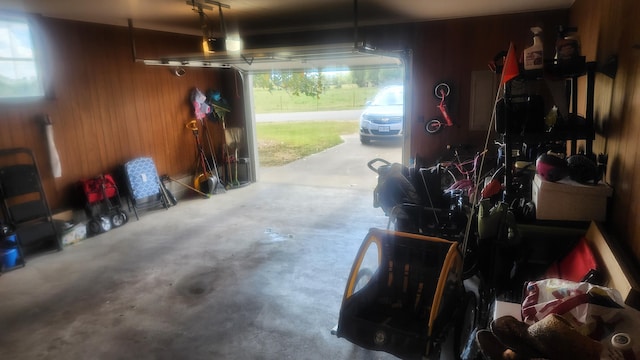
{"points": [[262, 17], [268, 16]]}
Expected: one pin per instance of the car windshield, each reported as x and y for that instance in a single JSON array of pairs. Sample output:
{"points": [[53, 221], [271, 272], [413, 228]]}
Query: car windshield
{"points": [[388, 97]]}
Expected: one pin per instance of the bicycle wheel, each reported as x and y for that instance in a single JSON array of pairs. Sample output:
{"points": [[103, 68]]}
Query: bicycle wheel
{"points": [[362, 279], [438, 89], [433, 126], [447, 178]]}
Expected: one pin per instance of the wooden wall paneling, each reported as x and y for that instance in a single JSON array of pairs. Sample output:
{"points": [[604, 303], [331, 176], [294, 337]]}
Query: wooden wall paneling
{"points": [[179, 139], [609, 29], [121, 61], [418, 93], [144, 109], [106, 108], [69, 133], [79, 78], [451, 50], [139, 147], [138, 75], [112, 87], [126, 120], [178, 116], [79, 89], [159, 123], [596, 33], [592, 18], [425, 147], [154, 122], [184, 141], [150, 118], [101, 90], [630, 56], [150, 108], [143, 113], [171, 102]]}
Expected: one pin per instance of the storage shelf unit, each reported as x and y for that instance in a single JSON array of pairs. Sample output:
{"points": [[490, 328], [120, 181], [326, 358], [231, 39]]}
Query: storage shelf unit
{"points": [[575, 127]]}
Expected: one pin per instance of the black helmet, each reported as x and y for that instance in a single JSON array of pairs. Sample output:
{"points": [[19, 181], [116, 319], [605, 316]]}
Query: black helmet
{"points": [[583, 170], [551, 167]]}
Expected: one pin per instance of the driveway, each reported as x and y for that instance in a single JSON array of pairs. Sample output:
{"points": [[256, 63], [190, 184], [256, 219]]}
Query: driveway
{"points": [[344, 165]]}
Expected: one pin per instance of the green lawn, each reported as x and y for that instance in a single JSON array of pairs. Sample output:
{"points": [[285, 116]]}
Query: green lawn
{"points": [[281, 143], [332, 99]]}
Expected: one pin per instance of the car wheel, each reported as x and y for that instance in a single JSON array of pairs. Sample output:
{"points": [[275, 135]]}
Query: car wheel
{"points": [[364, 140]]}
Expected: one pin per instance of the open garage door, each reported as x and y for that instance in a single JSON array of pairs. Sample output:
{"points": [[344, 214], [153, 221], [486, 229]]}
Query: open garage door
{"points": [[322, 59]]}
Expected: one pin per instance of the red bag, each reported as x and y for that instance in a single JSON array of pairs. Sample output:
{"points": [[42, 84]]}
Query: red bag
{"points": [[92, 188], [576, 265]]}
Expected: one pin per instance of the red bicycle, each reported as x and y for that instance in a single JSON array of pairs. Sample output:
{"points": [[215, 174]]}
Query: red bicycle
{"points": [[441, 91], [460, 174]]}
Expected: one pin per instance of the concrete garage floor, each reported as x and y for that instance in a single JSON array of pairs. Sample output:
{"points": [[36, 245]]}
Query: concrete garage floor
{"points": [[255, 273]]}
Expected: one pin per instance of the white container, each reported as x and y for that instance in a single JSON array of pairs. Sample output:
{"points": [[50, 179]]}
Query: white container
{"points": [[504, 308], [569, 200], [534, 55]]}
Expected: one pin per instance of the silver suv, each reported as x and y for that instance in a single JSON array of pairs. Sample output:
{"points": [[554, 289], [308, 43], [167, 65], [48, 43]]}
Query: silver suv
{"points": [[383, 117]]}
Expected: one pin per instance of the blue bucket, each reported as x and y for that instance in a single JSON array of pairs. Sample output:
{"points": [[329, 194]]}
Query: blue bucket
{"points": [[11, 239], [9, 257]]}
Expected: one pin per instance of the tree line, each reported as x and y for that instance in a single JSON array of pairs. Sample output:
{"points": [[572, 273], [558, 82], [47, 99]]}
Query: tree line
{"points": [[314, 83]]}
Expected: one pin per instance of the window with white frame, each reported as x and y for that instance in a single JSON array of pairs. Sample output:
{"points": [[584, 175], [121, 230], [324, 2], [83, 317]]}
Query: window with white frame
{"points": [[19, 77]]}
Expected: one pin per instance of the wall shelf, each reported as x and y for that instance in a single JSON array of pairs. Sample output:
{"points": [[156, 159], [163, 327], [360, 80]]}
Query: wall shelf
{"points": [[573, 127]]}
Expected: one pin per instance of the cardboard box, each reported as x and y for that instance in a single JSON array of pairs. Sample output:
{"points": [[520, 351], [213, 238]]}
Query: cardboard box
{"points": [[70, 233], [569, 200], [63, 215]]}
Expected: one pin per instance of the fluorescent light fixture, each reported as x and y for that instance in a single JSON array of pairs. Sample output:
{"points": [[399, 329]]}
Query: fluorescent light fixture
{"points": [[233, 43]]}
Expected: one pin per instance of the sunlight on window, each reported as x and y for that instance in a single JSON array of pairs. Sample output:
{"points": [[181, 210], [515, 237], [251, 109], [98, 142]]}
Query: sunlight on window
{"points": [[18, 69]]}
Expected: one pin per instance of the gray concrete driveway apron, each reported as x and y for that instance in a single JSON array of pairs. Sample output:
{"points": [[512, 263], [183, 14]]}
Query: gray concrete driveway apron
{"points": [[344, 165]]}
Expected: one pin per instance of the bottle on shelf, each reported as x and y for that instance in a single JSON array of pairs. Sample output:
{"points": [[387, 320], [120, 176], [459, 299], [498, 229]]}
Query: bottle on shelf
{"points": [[552, 118], [534, 55], [567, 46]]}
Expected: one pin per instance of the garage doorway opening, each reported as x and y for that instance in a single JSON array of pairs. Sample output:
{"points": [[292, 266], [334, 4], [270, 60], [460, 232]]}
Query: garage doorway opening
{"points": [[309, 123], [302, 113]]}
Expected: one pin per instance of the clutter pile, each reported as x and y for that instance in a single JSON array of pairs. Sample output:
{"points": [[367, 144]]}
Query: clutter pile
{"points": [[550, 338]]}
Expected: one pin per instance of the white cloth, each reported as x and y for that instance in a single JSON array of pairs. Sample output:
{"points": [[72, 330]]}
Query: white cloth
{"points": [[56, 167]]}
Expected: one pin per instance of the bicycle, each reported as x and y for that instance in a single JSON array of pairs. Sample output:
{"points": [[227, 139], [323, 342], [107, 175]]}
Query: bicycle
{"points": [[457, 174], [441, 91]]}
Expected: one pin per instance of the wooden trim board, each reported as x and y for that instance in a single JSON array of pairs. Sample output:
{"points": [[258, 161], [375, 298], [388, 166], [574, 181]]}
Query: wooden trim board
{"points": [[620, 274]]}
